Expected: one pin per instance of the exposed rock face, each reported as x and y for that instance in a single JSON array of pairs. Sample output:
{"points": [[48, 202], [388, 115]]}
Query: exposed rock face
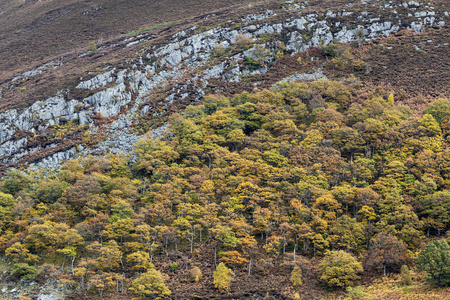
{"points": [[305, 77], [120, 93], [51, 290]]}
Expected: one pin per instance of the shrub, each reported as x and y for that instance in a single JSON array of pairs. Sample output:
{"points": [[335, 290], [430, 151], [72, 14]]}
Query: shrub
{"points": [[219, 50], [196, 274], [296, 277], [356, 293], [243, 42], [331, 50], [92, 48], [25, 271], [405, 274], [346, 61], [279, 55], [391, 99]]}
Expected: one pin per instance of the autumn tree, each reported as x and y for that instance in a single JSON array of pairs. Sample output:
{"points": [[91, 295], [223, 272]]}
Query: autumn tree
{"points": [[398, 219], [339, 269], [140, 260], [346, 234], [108, 256], [14, 181], [386, 252], [148, 236], [17, 252], [6, 205], [439, 109], [437, 208], [222, 278], [25, 271], [150, 285], [51, 190], [46, 237], [233, 258]]}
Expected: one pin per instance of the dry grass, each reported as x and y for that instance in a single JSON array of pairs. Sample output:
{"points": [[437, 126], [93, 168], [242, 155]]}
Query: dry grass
{"points": [[31, 31], [418, 63], [391, 288]]}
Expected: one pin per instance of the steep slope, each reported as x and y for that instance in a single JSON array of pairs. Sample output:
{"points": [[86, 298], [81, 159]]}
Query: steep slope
{"points": [[264, 179], [85, 98], [32, 32]]}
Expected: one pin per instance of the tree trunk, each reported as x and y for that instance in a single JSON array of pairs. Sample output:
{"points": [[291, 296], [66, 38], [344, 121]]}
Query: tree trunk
{"points": [[64, 261], [73, 260], [295, 248], [215, 256], [250, 266], [151, 253]]}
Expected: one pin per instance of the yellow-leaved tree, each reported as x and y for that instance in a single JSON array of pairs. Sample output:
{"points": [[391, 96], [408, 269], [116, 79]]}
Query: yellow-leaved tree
{"points": [[222, 277], [296, 276], [150, 285], [339, 269]]}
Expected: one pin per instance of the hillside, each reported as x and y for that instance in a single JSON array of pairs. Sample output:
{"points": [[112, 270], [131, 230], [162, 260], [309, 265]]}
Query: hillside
{"points": [[96, 86], [263, 182], [158, 139], [36, 32]]}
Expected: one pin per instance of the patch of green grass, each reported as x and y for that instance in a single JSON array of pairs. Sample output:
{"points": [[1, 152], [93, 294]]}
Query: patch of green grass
{"points": [[153, 27]]}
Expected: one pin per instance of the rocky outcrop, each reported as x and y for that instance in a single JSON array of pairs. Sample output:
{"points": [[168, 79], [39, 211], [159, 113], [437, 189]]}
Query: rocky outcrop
{"points": [[305, 77], [121, 94]]}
